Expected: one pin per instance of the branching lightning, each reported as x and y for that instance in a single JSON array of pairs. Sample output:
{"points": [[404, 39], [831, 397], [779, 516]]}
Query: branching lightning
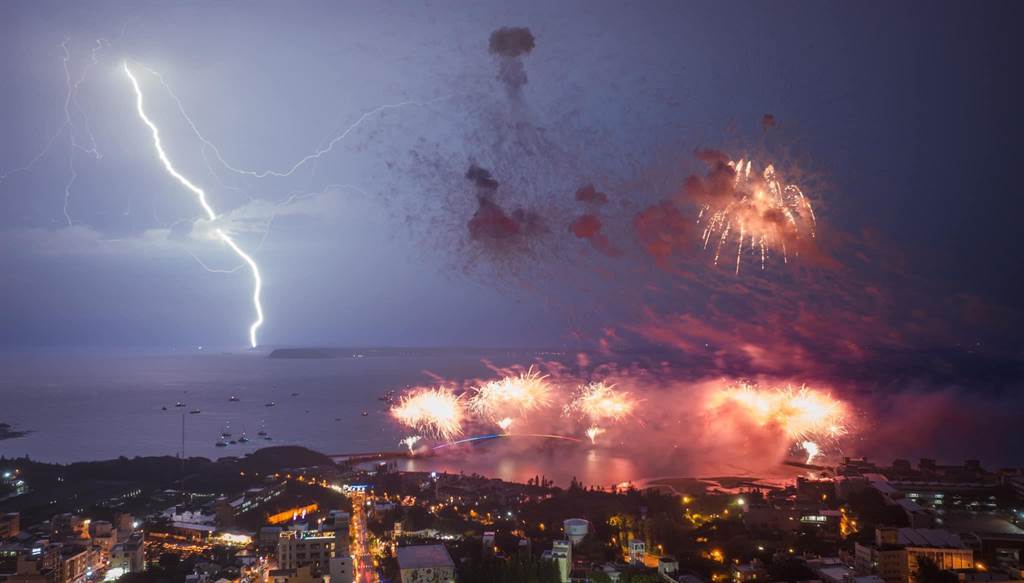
{"points": [[70, 107], [315, 155], [201, 197], [74, 126], [72, 100]]}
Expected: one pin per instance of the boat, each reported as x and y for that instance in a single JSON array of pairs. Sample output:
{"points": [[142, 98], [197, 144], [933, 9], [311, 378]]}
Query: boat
{"points": [[270, 404], [194, 412], [234, 399], [179, 404], [267, 438], [243, 438], [365, 413], [295, 394], [227, 430], [164, 408], [233, 442], [221, 443]]}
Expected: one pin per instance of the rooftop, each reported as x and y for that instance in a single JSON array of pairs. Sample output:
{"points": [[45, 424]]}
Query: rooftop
{"points": [[423, 557], [929, 537]]}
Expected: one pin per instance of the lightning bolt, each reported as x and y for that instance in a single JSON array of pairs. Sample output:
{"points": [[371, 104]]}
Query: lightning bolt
{"points": [[201, 197]]}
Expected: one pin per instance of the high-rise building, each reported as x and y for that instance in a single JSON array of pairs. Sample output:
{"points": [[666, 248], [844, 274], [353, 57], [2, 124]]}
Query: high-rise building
{"points": [[301, 548]]}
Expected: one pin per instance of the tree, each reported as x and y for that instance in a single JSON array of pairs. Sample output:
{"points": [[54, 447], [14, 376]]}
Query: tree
{"points": [[928, 571]]}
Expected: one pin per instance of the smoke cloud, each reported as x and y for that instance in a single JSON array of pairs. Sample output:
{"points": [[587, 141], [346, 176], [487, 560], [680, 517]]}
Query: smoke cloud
{"points": [[509, 45], [662, 230], [492, 225], [588, 226], [590, 195]]}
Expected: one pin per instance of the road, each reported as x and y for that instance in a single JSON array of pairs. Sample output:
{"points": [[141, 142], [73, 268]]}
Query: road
{"points": [[362, 560]]}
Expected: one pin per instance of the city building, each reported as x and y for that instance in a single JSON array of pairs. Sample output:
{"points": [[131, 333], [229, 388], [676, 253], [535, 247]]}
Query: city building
{"points": [[129, 556], [10, 525], [896, 551], [762, 516], [831, 570], [425, 564], [748, 572], [75, 564], [124, 523], [637, 550], [337, 519], [668, 566], [304, 574], [305, 548], [104, 537], [341, 569], [35, 563], [11, 480], [228, 510], [561, 554], [69, 526], [267, 538]]}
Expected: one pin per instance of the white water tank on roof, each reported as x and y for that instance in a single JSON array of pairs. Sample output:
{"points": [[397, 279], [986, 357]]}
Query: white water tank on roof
{"points": [[576, 529]]}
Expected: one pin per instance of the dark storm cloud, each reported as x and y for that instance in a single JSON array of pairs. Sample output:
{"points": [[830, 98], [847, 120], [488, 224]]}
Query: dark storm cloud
{"points": [[509, 45]]}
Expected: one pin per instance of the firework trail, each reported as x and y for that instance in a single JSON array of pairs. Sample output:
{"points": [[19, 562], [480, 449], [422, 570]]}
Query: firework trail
{"points": [[812, 450], [511, 397], [410, 442], [593, 433], [436, 411], [201, 196], [758, 210]]}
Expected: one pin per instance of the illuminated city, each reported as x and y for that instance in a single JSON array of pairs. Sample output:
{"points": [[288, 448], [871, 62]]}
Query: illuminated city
{"points": [[534, 292]]}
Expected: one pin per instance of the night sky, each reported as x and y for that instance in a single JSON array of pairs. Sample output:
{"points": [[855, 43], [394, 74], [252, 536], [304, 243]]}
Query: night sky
{"points": [[900, 122]]}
